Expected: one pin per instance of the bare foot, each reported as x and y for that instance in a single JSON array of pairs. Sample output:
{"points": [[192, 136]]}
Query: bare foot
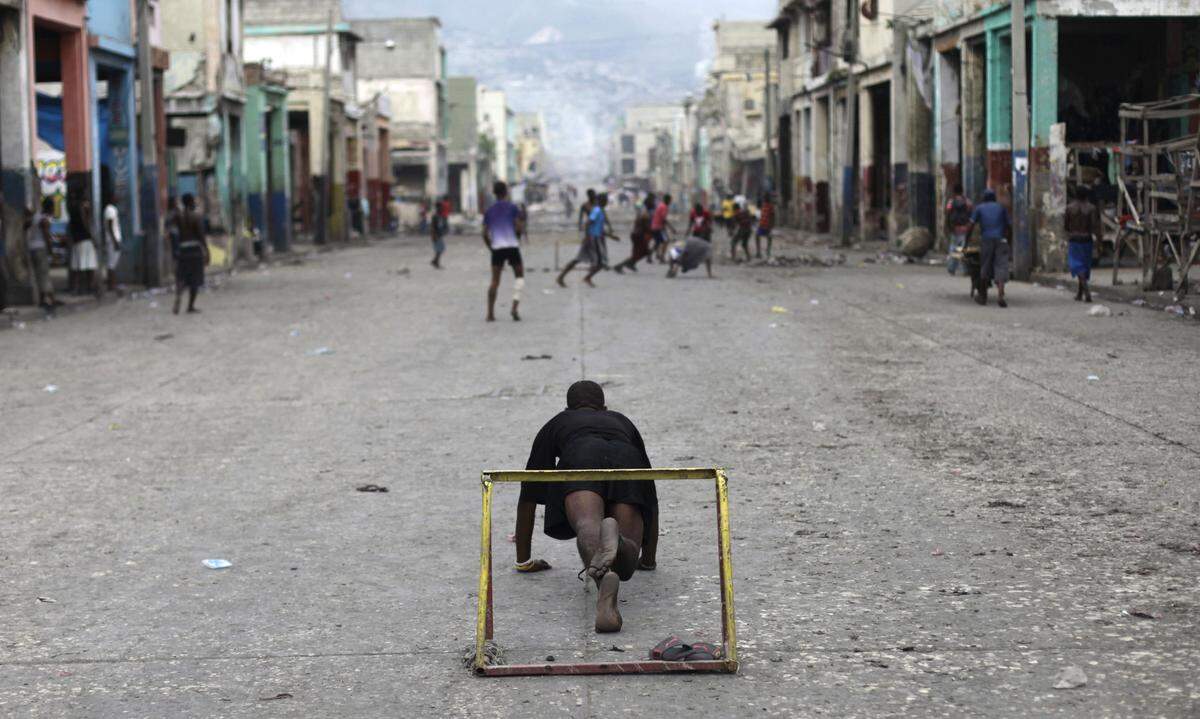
{"points": [[516, 317], [608, 618], [491, 318], [606, 553], [589, 282], [560, 282]]}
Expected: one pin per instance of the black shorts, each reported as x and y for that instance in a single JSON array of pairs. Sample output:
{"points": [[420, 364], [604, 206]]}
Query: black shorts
{"points": [[511, 255]]}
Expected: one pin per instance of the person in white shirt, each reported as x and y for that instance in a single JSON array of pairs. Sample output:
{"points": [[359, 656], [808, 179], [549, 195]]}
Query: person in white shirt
{"points": [[112, 240]]}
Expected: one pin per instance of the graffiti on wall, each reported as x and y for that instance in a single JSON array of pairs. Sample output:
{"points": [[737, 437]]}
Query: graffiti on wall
{"points": [[52, 175]]}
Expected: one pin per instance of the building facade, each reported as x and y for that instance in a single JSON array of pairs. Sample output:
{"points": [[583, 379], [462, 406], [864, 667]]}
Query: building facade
{"points": [[403, 59], [733, 111], [205, 105], [496, 130], [463, 144]]}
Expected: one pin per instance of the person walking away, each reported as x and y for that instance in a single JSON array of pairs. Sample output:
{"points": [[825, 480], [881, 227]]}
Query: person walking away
{"points": [[640, 238], [439, 228], [112, 241], [766, 225], [1083, 231], [660, 224], [592, 252], [193, 255], [38, 240], [502, 229], [84, 261], [995, 227], [744, 222], [958, 221]]}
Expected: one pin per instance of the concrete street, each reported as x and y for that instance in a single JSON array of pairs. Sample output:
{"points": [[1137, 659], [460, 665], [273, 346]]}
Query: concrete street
{"points": [[935, 510]]}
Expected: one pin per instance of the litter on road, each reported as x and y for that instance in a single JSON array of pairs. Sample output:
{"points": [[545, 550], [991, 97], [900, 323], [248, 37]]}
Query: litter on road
{"points": [[319, 352], [217, 563], [1070, 678], [1099, 311]]}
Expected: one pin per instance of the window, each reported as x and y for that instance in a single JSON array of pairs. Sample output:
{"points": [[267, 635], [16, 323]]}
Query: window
{"points": [[628, 166], [785, 38], [748, 104], [627, 147]]}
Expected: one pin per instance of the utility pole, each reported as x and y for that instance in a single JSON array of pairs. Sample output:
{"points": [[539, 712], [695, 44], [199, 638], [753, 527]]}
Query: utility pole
{"points": [[1022, 239], [152, 250], [849, 181], [327, 159], [768, 159]]}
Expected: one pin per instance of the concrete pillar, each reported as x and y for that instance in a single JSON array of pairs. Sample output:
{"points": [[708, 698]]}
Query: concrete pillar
{"points": [[16, 185], [255, 144], [1048, 152], [899, 219], [339, 225], [999, 113], [919, 118], [822, 163], [948, 130], [867, 219], [280, 176], [974, 120]]}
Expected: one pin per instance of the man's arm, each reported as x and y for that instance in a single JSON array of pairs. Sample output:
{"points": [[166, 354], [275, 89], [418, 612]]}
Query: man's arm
{"points": [[519, 226]]}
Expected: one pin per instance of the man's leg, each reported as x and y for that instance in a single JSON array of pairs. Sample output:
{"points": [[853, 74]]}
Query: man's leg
{"points": [[492, 288], [592, 273], [770, 238], [649, 559], [178, 294], [562, 276], [192, 291], [518, 287], [526, 512], [757, 247]]}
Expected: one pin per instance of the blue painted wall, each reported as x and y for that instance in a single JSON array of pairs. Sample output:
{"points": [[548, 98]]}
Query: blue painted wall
{"points": [[111, 18]]}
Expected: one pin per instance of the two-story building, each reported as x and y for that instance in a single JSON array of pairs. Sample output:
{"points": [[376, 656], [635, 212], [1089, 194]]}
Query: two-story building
{"points": [[403, 59], [300, 39], [205, 103], [496, 132], [733, 109], [462, 161], [645, 147]]}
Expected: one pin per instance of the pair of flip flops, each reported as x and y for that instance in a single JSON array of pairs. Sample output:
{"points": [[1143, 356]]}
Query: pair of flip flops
{"points": [[674, 649]]}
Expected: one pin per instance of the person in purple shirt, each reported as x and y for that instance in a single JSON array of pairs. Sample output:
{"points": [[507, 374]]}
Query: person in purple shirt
{"points": [[994, 228], [503, 226]]}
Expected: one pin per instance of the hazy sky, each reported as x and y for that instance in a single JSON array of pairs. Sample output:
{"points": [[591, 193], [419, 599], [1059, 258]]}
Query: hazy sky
{"points": [[578, 61]]}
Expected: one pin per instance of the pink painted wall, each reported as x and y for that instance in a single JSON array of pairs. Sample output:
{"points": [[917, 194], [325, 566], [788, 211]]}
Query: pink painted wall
{"points": [[68, 18]]}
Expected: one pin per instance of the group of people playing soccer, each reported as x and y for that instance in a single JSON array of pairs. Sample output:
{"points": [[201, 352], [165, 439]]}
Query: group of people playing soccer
{"points": [[652, 230], [504, 226]]}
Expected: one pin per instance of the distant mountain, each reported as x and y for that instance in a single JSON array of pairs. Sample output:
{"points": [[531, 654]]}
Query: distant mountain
{"points": [[579, 62]]}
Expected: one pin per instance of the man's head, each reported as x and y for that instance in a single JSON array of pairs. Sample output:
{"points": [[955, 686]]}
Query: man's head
{"points": [[602, 199], [737, 207], [666, 199], [585, 394], [591, 194], [189, 201], [699, 208], [989, 195], [649, 202], [958, 190], [500, 190], [48, 205], [1083, 193]]}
